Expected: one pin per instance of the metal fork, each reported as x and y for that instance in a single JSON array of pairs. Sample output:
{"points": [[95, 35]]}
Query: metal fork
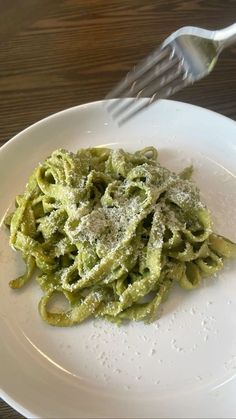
{"points": [[188, 55]]}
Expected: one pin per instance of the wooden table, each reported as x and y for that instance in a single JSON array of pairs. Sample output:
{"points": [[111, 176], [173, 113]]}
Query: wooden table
{"points": [[60, 53]]}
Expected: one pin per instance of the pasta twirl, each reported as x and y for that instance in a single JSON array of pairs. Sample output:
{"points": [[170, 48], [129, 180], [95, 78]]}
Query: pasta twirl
{"points": [[112, 231]]}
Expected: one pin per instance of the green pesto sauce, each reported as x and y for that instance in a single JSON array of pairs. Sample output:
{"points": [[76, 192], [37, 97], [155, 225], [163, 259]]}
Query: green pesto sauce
{"points": [[112, 231]]}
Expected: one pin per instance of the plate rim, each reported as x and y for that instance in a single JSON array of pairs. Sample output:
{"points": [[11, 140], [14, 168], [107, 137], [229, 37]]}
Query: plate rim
{"points": [[102, 102]]}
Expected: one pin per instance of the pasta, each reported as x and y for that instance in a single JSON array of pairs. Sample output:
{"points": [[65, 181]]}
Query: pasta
{"points": [[112, 231]]}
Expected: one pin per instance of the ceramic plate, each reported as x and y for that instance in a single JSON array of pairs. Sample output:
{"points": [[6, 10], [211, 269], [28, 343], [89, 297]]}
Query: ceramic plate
{"points": [[182, 365]]}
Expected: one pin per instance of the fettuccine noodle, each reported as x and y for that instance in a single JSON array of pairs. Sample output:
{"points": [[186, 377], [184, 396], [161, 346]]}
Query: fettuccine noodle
{"points": [[112, 231]]}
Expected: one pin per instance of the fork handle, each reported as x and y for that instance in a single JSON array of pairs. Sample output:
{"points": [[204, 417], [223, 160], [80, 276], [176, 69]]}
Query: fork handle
{"points": [[226, 36]]}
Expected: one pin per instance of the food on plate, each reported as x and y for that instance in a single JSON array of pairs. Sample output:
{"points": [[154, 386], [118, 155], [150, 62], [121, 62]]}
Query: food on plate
{"points": [[112, 231]]}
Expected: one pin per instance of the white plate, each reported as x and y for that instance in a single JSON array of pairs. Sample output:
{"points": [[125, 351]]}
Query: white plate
{"points": [[184, 365]]}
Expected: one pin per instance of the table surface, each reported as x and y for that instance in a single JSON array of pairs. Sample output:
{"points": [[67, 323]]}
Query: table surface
{"points": [[59, 53]]}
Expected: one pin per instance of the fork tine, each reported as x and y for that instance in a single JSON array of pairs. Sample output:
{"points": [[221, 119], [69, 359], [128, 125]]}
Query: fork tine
{"points": [[161, 69], [138, 71], [121, 109], [164, 93], [160, 83], [155, 74]]}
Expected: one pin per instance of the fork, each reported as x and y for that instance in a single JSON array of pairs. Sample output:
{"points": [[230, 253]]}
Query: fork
{"points": [[187, 55]]}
